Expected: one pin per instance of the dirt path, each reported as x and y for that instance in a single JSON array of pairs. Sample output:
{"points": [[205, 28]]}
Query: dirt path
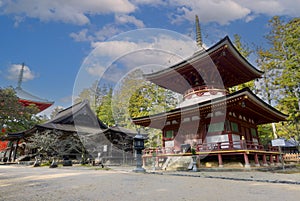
{"points": [[27, 183]]}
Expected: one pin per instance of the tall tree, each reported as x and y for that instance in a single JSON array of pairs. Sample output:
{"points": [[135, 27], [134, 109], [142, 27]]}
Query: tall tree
{"points": [[245, 51], [14, 116], [135, 97], [94, 95], [55, 111], [51, 143], [104, 111], [281, 64]]}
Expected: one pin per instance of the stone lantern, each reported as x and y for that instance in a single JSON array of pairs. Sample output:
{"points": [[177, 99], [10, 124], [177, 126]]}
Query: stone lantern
{"points": [[139, 145]]}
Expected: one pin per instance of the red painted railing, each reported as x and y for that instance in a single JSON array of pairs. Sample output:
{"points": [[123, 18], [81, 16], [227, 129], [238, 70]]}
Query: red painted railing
{"points": [[211, 147]]}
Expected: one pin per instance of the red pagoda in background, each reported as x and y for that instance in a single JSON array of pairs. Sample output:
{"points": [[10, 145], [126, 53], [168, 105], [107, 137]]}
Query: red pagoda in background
{"points": [[210, 119], [28, 99]]}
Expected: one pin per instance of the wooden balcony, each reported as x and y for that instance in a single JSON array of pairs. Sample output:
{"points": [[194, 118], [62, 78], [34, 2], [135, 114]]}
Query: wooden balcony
{"points": [[204, 148]]}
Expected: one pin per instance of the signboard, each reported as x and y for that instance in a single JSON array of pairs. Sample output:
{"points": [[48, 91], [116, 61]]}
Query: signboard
{"points": [[278, 142], [169, 143]]}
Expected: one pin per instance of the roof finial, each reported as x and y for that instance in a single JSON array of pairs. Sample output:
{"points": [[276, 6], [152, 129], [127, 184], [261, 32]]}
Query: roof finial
{"points": [[198, 33], [21, 76]]}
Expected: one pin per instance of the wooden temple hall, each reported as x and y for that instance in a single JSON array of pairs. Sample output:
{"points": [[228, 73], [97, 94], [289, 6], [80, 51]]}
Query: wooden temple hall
{"points": [[217, 124]]}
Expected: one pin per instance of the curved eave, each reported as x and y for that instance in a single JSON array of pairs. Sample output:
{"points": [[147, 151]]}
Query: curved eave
{"points": [[255, 107], [28, 99], [223, 54], [264, 112], [41, 105], [226, 42]]}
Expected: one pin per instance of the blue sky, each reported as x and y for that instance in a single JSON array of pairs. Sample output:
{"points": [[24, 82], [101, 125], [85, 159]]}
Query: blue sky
{"points": [[54, 37]]}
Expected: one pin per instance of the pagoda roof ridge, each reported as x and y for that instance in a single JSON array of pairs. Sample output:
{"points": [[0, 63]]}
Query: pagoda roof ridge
{"points": [[204, 52], [226, 40], [221, 64]]}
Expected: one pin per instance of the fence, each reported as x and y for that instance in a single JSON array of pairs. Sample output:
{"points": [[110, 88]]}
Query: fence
{"points": [[291, 157]]}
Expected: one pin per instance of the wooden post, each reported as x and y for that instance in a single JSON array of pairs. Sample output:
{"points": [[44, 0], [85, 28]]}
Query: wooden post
{"points": [[247, 164], [15, 151], [256, 160], [220, 160], [271, 159], [265, 163], [277, 159], [11, 149]]}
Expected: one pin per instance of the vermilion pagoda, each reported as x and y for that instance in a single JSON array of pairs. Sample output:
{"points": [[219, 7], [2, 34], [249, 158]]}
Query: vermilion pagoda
{"points": [[28, 99], [210, 119]]}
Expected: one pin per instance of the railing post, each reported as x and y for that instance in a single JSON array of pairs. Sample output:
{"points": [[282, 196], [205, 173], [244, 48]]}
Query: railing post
{"points": [[265, 163], [246, 159], [271, 159], [220, 160], [256, 160]]}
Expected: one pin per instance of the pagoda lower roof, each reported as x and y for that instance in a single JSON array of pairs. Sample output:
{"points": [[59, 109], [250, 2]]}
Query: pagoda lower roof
{"points": [[242, 102], [220, 65], [27, 99]]}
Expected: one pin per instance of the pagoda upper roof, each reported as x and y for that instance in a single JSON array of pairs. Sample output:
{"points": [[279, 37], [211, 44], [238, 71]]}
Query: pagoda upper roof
{"points": [[243, 102], [221, 66], [28, 99]]}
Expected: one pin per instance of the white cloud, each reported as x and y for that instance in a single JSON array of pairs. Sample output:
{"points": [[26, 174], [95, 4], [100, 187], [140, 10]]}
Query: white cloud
{"points": [[273, 7], [106, 32], [14, 71], [150, 2], [116, 58], [72, 11], [226, 11], [127, 19], [81, 36], [96, 70], [79, 12], [221, 11]]}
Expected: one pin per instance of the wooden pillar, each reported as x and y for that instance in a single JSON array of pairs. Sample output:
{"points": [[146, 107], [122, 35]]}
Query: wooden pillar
{"points": [[220, 160], [256, 160], [265, 163], [277, 159], [246, 159], [15, 150], [230, 141], [10, 152], [271, 159]]}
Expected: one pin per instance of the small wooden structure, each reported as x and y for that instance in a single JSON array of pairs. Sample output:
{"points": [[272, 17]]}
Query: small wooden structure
{"points": [[114, 144]]}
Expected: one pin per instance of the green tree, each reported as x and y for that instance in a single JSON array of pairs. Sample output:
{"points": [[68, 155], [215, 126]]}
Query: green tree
{"points": [[94, 95], [13, 114], [245, 51], [135, 97], [150, 99], [281, 64], [53, 143], [104, 111], [55, 111]]}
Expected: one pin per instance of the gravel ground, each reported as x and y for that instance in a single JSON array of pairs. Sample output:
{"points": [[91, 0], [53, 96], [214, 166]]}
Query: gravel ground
{"points": [[119, 183]]}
